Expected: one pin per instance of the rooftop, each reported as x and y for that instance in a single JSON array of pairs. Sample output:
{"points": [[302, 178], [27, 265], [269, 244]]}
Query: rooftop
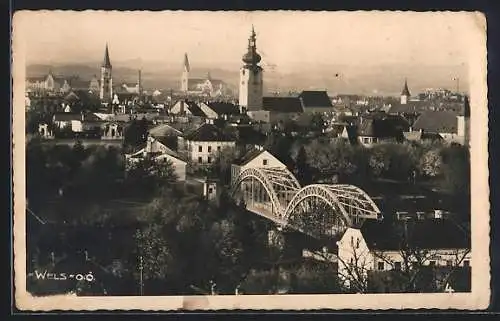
{"points": [[437, 122], [282, 104], [208, 133], [424, 234], [315, 99]]}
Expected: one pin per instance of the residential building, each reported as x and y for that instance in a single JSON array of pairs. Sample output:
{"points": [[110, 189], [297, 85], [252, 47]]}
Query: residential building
{"points": [[159, 152], [451, 126], [375, 129], [377, 246], [255, 158], [203, 143]]}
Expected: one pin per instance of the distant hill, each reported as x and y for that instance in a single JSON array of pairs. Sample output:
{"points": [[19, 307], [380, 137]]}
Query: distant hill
{"points": [[382, 79]]}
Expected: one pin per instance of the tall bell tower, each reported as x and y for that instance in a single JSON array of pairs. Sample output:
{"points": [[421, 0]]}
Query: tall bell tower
{"points": [[251, 82], [185, 74], [106, 92]]}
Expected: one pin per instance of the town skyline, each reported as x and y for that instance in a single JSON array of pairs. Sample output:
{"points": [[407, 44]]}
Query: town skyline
{"points": [[352, 42]]}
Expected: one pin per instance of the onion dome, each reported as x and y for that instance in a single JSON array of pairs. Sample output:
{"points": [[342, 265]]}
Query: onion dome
{"points": [[252, 57]]}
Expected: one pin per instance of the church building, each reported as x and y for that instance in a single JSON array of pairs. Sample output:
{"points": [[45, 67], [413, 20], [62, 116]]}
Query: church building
{"points": [[207, 86], [106, 92]]}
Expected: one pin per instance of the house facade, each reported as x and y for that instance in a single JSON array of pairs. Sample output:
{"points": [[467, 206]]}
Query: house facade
{"points": [[161, 154], [377, 247], [203, 144], [255, 158]]}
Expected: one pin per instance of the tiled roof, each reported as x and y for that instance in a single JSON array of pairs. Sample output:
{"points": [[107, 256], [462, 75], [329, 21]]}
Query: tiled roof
{"points": [[418, 135], [437, 122], [424, 234], [164, 130], [208, 133], [223, 108], [194, 109], [282, 104], [247, 157], [378, 127], [315, 99]]}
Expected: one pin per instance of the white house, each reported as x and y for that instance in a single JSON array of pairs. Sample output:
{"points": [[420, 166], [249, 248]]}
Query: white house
{"points": [[376, 246], [160, 153], [204, 142], [255, 158]]}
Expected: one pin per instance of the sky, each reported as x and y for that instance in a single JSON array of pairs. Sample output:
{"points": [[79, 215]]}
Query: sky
{"points": [[284, 39], [358, 45]]}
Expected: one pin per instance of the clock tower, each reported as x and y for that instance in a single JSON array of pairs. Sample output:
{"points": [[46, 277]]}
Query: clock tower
{"points": [[251, 86]]}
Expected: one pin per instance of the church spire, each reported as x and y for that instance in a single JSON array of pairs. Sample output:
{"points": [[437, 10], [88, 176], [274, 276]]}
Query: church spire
{"points": [[106, 62], [406, 91], [186, 62]]}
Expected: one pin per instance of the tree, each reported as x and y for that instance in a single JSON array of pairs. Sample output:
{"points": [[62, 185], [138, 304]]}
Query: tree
{"points": [[156, 253], [223, 161], [148, 177], [303, 171], [379, 161], [430, 164]]}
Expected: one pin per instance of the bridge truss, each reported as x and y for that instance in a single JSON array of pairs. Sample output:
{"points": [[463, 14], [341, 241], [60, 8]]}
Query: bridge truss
{"points": [[319, 210]]}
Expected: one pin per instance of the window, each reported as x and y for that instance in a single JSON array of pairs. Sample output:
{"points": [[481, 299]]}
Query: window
{"points": [[200, 149], [357, 242], [210, 190], [366, 140], [432, 263], [449, 263], [209, 160], [209, 149], [218, 148], [351, 261], [264, 162], [200, 160], [380, 266], [466, 263], [397, 266]]}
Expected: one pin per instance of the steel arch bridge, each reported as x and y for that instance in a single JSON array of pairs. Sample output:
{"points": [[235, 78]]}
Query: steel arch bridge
{"points": [[319, 210]]}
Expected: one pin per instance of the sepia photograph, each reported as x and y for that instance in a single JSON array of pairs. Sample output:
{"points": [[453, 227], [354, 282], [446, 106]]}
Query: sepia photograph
{"points": [[250, 160]]}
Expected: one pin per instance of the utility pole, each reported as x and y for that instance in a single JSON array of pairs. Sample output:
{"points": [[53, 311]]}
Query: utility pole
{"points": [[140, 276]]}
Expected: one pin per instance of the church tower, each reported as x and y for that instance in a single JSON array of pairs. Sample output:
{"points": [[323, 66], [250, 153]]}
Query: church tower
{"points": [[185, 74], [405, 94], [106, 92], [251, 86]]}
